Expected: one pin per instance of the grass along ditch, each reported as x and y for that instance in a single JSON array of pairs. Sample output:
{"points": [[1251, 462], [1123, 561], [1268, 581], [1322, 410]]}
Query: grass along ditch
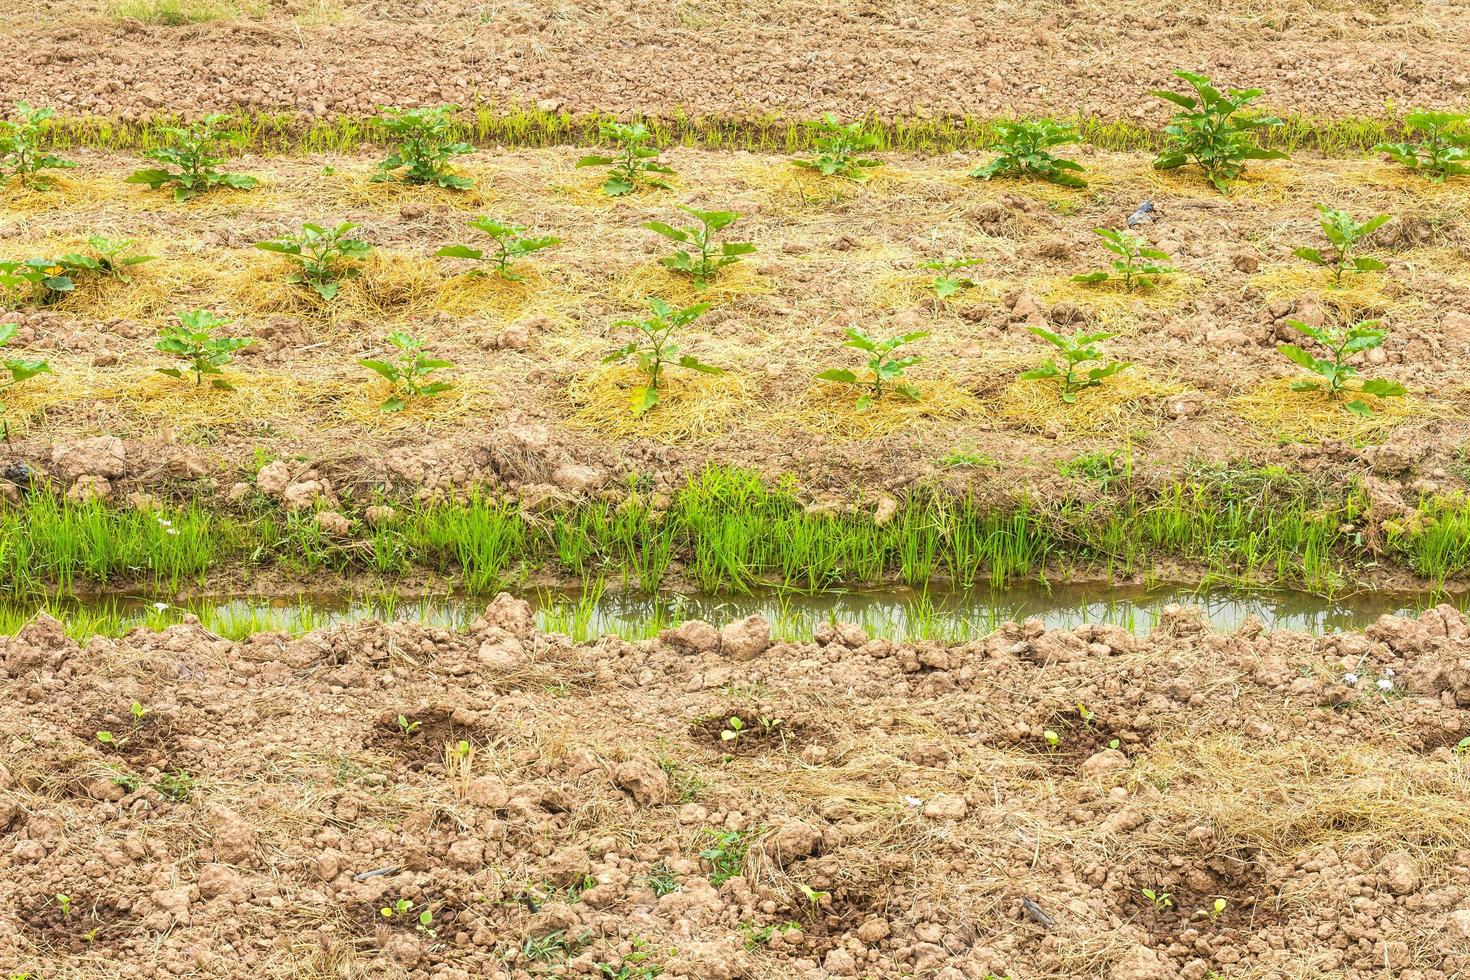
{"points": [[726, 530]]}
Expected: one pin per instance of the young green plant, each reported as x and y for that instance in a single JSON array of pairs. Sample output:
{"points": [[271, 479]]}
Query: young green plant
{"points": [[49, 280], [191, 163], [409, 378], [324, 257], [425, 148], [886, 368], [1443, 150], [704, 257], [1335, 371], [1344, 232], [1138, 264], [948, 282], [1079, 349], [22, 154], [635, 163], [1023, 145], [839, 148], [16, 370], [193, 341], [1211, 130], [654, 349], [511, 245]]}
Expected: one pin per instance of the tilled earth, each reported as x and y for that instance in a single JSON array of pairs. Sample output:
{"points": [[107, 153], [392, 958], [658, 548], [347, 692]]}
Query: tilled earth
{"points": [[1297, 805], [794, 57]]}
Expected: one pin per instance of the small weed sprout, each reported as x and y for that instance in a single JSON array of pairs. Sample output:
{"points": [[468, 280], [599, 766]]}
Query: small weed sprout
{"points": [[1137, 266], [1023, 145], [1335, 373], [703, 257], [407, 728], [324, 257], [813, 896], [948, 282], [15, 370], [1344, 233], [839, 148], [110, 740], [424, 148], [725, 855], [662, 879], [511, 245], [409, 376], [1161, 899], [402, 910], [886, 368], [1443, 151], [655, 351], [1087, 715], [1210, 131], [193, 340], [177, 785], [1076, 350], [193, 153], [635, 164], [636, 965], [21, 153]]}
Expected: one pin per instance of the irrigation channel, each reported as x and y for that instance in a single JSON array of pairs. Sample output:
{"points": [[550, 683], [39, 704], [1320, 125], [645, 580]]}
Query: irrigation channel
{"points": [[895, 613]]}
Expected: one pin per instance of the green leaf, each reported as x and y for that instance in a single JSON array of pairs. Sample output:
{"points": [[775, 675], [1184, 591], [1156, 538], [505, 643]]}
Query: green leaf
{"points": [[842, 376], [460, 252], [1383, 389]]}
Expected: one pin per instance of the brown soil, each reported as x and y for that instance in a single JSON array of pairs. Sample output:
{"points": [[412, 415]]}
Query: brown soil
{"points": [[911, 790], [796, 57], [535, 412]]}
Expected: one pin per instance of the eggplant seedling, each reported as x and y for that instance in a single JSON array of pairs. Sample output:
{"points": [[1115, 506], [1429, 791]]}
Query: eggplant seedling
{"points": [[1335, 371], [1076, 350], [1138, 264], [511, 244], [193, 341], [1344, 232], [324, 257], [16, 370], [21, 152], [425, 148], [948, 281], [839, 148], [409, 378], [191, 162], [1442, 152], [1023, 145], [885, 368], [635, 163], [654, 349], [1211, 130], [702, 258]]}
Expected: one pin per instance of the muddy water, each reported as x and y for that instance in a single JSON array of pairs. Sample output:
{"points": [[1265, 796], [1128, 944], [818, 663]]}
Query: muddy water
{"points": [[892, 613]]}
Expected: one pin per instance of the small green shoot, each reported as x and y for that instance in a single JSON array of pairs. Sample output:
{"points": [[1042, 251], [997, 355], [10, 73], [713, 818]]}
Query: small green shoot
{"points": [[1023, 145], [407, 728], [511, 245], [16, 370], [193, 341], [947, 283], [839, 148], [655, 350], [1079, 349], [191, 163], [732, 731], [21, 151], [64, 901], [1138, 264], [885, 368], [635, 164], [1442, 152], [1337, 372], [1344, 233], [1211, 130], [1052, 739], [409, 375], [325, 257], [1161, 900], [703, 257], [725, 854], [424, 149]]}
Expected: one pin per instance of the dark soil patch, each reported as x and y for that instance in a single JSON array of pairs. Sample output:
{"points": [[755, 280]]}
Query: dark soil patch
{"points": [[418, 740], [82, 926], [151, 740], [757, 730]]}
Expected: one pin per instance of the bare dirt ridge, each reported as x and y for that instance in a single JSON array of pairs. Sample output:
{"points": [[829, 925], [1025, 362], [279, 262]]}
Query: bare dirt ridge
{"points": [[996, 807], [792, 57]]}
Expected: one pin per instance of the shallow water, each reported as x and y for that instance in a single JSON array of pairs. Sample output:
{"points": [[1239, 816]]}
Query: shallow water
{"points": [[896, 613]]}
